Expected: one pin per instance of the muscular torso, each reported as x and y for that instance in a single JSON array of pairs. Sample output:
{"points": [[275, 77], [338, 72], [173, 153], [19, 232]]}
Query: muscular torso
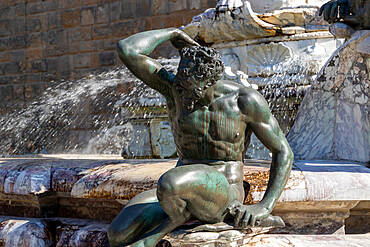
{"points": [[214, 131]]}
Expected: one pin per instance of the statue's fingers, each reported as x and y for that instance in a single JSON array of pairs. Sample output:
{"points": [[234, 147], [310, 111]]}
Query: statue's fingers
{"points": [[327, 11], [238, 215], [334, 12], [246, 219], [353, 19], [347, 18], [252, 220], [195, 43], [232, 209], [187, 39], [342, 10], [322, 8]]}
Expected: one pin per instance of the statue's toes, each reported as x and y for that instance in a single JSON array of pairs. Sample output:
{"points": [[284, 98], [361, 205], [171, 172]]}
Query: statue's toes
{"points": [[274, 221]]}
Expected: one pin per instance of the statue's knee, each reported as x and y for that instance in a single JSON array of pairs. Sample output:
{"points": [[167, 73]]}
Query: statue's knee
{"points": [[166, 186]]}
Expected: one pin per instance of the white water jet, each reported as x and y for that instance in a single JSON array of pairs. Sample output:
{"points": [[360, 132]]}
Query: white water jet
{"points": [[70, 113]]}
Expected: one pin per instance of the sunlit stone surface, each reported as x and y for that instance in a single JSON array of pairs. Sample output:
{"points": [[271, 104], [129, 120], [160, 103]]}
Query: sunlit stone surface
{"points": [[313, 241], [96, 189], [278, 46], [24, 232], [321, 197], [334, 119], [270, 5]]}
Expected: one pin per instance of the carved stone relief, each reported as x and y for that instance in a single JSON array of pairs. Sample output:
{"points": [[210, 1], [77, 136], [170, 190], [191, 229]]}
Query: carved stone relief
{"points": [[163, 143], [267, 59]]}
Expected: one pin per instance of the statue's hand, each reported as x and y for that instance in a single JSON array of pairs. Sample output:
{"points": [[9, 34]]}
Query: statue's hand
{"points": [[247, 215], [335, 10], [181, 40]]}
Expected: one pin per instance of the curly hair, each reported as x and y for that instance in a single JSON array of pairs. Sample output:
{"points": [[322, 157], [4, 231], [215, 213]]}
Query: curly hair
{"points": [[205, 67]]}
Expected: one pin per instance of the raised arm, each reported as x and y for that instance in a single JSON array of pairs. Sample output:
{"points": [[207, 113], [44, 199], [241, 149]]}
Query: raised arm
{"points": [[134, 50], [267, 130]]}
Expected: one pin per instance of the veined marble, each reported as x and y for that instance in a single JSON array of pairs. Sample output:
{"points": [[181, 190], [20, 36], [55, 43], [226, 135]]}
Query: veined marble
{"points": [[270, 5], [318, 197], [334, 119], [24, 232]]}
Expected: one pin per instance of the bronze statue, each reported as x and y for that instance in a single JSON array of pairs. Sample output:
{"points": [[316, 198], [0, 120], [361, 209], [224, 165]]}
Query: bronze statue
{"points": [[212, 122], [354, 13]]}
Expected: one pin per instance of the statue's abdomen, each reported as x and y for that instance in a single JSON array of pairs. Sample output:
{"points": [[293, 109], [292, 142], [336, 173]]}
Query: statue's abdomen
{"points": [[209, 135]]}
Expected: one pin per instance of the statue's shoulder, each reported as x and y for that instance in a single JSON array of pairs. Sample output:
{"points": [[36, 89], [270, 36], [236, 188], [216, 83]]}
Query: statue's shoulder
{"points": [[249, 100], [227, 86], [235, 88]]}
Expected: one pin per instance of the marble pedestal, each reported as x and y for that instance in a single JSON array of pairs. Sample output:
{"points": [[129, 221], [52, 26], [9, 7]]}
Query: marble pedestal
{"points": [[321, 197]]}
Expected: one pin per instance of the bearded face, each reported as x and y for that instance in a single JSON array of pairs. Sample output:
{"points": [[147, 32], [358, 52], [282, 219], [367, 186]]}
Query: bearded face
{"points": [[189, 91], [199, 68]]}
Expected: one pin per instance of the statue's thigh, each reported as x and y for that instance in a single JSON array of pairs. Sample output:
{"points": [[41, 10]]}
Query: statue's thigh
{"points": [[144, 197], [205, 190]]}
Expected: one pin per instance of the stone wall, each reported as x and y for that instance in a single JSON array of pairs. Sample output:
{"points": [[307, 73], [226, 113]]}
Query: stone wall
{"points": [[46, 40]]}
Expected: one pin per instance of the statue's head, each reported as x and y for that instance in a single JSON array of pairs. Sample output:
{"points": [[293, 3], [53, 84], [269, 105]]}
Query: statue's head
{"points": [[200, 67]]}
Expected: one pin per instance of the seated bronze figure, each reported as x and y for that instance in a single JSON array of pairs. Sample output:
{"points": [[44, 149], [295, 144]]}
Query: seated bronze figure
{"points": [[212, 122]]}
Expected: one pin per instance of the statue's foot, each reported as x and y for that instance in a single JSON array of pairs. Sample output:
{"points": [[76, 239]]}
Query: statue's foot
{"points": [[270, 221]]}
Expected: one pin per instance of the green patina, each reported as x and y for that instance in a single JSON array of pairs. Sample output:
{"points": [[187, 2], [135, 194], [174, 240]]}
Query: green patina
{"points": [[212, 121]]}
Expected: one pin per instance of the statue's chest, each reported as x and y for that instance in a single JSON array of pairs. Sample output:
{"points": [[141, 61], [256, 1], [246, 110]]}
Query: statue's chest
{"points": [[196, 122], [221, 120]]}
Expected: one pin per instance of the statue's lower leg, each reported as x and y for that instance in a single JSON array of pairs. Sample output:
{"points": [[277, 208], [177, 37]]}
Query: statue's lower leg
{"points": [[141, 215], [152, 238], [178, 216]]}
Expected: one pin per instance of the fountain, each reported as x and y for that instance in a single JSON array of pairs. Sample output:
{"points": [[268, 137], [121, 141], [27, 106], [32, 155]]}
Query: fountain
{"points": [[93, 115], [68, 200], [281, 48], [281, 57]]}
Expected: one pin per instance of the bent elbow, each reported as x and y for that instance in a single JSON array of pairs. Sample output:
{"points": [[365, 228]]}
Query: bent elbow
{"points": [[124, 49], [287, 155], [291, 157]]}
